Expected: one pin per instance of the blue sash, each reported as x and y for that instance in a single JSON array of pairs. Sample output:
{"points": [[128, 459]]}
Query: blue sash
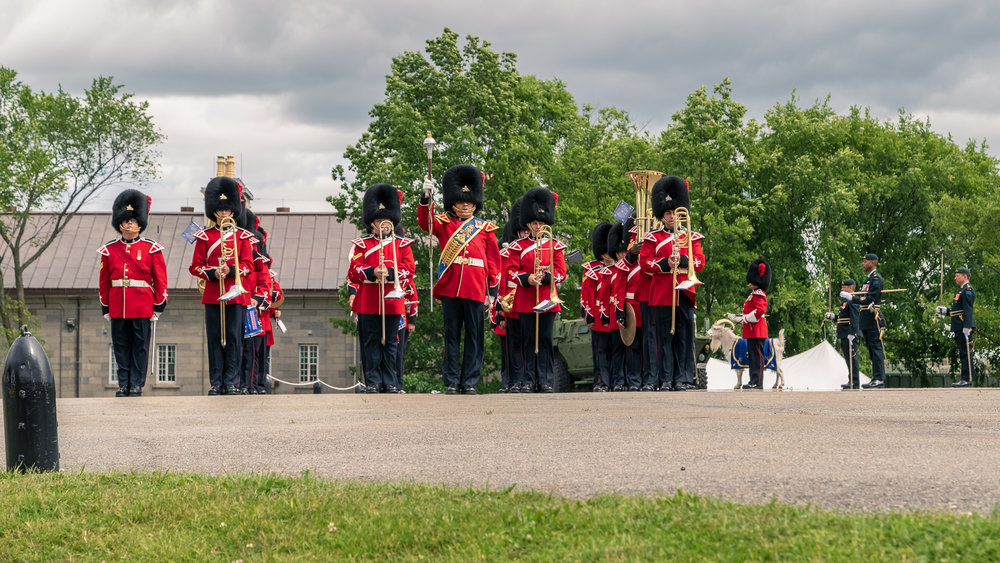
{"points": [[461, 237]]}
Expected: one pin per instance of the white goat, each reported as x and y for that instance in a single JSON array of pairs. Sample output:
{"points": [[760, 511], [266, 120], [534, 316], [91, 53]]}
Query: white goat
{"points": [[724, 337]]}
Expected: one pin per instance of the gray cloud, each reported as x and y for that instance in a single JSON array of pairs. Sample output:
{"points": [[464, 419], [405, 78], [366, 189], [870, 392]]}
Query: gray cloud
{"points": [[288, 85]]}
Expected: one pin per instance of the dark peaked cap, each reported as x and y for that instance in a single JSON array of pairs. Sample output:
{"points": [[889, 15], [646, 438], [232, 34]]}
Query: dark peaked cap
{"points": [[669, 193], [130, 204], [462, 183], [381, 201]]}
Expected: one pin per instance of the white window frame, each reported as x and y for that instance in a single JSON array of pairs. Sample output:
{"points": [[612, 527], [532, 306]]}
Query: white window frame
{"points": [[310, 360], [171, 351], [113, 373]]}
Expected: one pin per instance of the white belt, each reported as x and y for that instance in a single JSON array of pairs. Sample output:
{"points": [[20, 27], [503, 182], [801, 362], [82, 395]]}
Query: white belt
{"points": [[630, 295], [465, 260], [125, 282]]}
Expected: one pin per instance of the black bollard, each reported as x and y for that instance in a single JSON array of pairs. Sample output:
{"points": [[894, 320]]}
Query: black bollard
{"points": [[317, 388], [29, 407]]}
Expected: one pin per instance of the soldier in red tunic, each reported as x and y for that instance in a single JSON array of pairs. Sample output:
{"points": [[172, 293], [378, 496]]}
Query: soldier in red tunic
{"points": [[617, 244], [215, 261], [538, 265], [468, 271], [133, 289], [672, 309], [258, 285], [381, 265], [590, 310], [754, 323], [513, 232]]}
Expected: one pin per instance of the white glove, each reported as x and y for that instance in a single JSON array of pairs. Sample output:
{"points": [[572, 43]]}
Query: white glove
{"points": [[155, 317], [850, 338], [966, 332], [735, 318], [941, 310], [428, 187], [489, 302], [107, 316], [831, 315], [846, 295]]}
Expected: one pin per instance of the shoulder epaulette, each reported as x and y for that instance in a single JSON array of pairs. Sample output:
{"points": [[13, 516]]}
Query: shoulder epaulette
{"points": [[697, 236], [441, 218], [560, 245], [245, 234], [759, 291], [490, 227], [201, 234], [404, 242], [103, 250], [590, 273], [516, 245], [650, 236], [359, 242]]}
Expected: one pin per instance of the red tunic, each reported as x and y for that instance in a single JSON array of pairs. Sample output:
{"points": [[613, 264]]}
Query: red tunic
{"points": [[657, 247], [588, 290], [756, 303], [475, 271], [523, 253], [507, 283], [364, 260], [133, 280], [604, 314], [633, 279], [276, 294], [205, 262]]}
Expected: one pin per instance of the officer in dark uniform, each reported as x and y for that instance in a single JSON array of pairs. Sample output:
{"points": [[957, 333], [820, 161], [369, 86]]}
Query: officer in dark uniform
{"points": [[133, 289], [869, 299], [963, 323], [847, 331]]}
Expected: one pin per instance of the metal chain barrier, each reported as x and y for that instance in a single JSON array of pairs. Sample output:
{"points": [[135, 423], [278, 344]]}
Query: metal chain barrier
{"points": [[311, 383]]}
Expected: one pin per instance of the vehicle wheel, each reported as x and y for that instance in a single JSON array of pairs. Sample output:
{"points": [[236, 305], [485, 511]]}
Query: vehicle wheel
{"points": [[562, 381], [701, 377]]}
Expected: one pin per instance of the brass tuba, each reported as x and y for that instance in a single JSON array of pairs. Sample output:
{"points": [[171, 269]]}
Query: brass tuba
{"points": [[643, 181]]}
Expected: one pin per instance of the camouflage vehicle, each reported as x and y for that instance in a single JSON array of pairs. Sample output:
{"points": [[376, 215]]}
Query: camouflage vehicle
{"points": [[573, 365]]}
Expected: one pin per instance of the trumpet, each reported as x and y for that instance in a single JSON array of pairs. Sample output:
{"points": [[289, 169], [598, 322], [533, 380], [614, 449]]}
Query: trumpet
{"points": [[682, 236]]}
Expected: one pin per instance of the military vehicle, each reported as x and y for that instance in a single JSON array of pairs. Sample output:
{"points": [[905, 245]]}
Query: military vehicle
{"points": [[573, 365]]}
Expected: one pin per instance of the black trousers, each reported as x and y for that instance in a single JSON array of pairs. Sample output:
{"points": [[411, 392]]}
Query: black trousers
{"points": [[537, 366], [964, 349], [250, 374], [674, 352], [130, 340], [873, 341], [850, 352], [224, 363], [264, 365], [504, 361], [462, 314], [379, 359], [600, 345], [755, 351], [616, 358], [404, 335], [515, 358], [635, 367], [651, 368]]}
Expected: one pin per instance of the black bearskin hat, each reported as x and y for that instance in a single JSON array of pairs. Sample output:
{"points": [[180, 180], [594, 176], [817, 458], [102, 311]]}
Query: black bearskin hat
{"points": [[381, 201], [538, 204], [223, 192], [759, 274], [617, 239], [130, 204], [669, 193], [248, 221], [599, 239], [462, 183], [513, 226]]}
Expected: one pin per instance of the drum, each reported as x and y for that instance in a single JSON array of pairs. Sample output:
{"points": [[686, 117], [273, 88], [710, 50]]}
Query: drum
{"points": [[251, 323]]}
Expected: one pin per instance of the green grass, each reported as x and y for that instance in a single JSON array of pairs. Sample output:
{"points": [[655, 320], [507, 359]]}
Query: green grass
{"points": [[187, 517]]}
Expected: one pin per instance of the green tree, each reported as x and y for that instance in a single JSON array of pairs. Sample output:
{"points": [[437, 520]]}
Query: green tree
{"points": [[481, 111], [57, 151]]}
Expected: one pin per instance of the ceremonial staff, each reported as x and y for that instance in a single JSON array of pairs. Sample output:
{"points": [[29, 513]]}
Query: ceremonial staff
{"points": [[429, 144]]}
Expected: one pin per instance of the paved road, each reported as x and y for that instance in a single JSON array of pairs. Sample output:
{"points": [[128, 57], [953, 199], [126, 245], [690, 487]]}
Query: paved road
{"points": [[868, 451]]}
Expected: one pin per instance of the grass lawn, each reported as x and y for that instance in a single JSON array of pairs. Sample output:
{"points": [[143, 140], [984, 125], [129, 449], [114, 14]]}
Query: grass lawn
{"points": [[188, 517]]}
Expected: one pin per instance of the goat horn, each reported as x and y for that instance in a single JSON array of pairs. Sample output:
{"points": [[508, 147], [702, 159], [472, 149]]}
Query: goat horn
{"points": [[725, 322]]}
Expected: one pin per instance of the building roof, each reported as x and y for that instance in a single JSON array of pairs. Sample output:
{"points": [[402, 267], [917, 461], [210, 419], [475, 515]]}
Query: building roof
{"points": [[309, 250]]}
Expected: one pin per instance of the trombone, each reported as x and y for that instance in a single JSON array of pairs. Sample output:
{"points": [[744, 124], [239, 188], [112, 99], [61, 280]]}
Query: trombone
{"points": [[682, 236], [227, 227], [397, 291], [553, 300]]}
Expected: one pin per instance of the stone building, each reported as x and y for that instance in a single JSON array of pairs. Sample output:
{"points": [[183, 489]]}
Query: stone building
{"points": [[61, 290]]}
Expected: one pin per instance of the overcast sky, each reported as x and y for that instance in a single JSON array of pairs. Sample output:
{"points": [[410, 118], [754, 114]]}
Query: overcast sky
{"points": [[287, 85]]}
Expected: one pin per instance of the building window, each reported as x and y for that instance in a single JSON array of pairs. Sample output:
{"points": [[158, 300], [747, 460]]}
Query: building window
{"points": [[308, 362], [113, 376], [166, 363]]}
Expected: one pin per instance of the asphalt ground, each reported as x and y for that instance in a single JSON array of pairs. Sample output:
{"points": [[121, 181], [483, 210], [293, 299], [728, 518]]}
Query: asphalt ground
{"points": [[884, 450]]}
